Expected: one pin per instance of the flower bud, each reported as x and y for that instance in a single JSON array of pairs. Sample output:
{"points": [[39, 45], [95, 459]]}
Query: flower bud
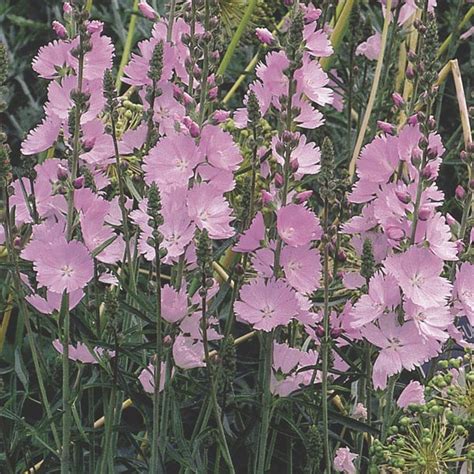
{"points": [[336, 332], [279, 180], [212, 94], [67, 8], [147, 11], [424, 213], [167, 341], [386, 127], [413, 120], [220, 116], [403, 196], [294, 165], [17, 242], [395, 233], [463, 155], [410, 73], [319, 330], [62, 173], [266, 197], [302, 197], [78, 183], [450, 219], [431, 123], [59, 29], [264, 36], [398, 100], [460, 192]]}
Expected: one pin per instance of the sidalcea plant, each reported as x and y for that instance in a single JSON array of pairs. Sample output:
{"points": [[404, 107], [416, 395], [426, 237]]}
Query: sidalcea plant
{"points": [[162, 231]]}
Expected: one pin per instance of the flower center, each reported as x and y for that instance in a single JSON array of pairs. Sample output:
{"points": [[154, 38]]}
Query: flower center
{"points": [[67, 271], [267, 311]]}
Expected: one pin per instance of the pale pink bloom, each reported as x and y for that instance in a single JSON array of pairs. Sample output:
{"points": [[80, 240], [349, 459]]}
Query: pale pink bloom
{"points": [[252, 238], [271, 74], [370, 48], [264, 36], [167, 110], [81, 353], [463, 292], [43, 136], [174, 304], [136, 72], [147, 10], [312, 81], [219, 148], [263, 262], [401, 348], [311, 13], [285, 358], [297, 225], [188, 353], [209, 210], [467, 34], [51, 58], [437, 234], [45, 236], [353, 280], [306, 154], [309, 117], [172, 161], [359, 412], [302, 266], [383, 296], [133, 138], [52, 302], [417, 272], [147, 378], [344, 461], [67, 266], [338, 102], [413, 393], [266, 305], [317, 41], [431, 322], [191, 326]]}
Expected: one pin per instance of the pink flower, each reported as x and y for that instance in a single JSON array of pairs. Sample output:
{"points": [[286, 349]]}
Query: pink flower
{"points": [[417, 272], [219, 148], [264, 36], [302, 267], [187, 353], [437, 234], [209, 210], [312, 81], [463, 293], [344, 461], [147, 10], [43, 136], [431, 323], [82, 353], [413, 393], [317, 41], [174, 304], [52, 302], [252, 238], [171, 162], [383, 295], [266, 305], [359, 412], [271, 74], [401, 348], [66, 266], [297, 225], [51, 58], [370, 48], [147, 378]]}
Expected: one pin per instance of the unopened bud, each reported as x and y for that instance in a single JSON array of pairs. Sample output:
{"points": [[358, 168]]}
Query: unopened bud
{"points": [[279, 181], [460, 192], [303, 196], [424, 213]]}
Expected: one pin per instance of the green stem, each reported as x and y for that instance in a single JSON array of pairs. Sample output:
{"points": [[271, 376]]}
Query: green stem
{"points": [[128, 45], [325, 345], [171, 20], [236, 37], [66, 434], [215, 404], [155, 457]]}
